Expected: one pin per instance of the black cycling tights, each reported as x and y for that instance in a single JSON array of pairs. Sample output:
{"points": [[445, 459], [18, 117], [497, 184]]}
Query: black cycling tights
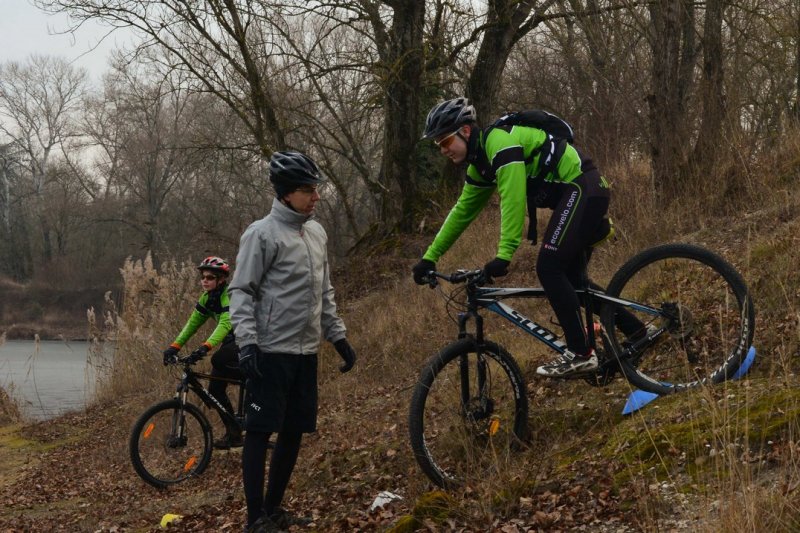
{"points": [[281, 465], [566, 248], [224, 364]]}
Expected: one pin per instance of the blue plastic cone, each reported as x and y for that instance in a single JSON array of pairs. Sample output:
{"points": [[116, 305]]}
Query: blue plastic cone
{"points": [[638, 399]]}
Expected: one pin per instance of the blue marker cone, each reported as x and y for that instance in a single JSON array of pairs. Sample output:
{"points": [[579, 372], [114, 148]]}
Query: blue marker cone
{"points": [[638, 399]]}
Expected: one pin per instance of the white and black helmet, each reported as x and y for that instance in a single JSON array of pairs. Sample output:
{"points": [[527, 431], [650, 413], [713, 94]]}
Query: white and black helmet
{"points": [[289, 170], [448, 116]]}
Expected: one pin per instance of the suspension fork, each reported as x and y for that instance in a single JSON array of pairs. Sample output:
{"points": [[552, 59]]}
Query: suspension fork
{"points": [[464, 370], [179, 416]]}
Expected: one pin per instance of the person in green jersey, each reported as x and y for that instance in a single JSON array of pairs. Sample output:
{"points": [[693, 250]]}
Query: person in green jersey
{"points": [[528, 168], [214, 303]]}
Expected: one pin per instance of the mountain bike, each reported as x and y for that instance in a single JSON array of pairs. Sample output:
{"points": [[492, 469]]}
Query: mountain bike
{"points": [[469, 409], [172, 440]]}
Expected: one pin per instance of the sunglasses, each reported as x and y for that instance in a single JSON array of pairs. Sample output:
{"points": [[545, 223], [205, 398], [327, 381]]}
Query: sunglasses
{"points": [[209, 277], [446, 141], [308, 189]]}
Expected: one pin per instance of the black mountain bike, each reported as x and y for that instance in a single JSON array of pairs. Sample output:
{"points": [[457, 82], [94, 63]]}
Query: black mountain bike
{"points": [[469, 409], [172, 440]]}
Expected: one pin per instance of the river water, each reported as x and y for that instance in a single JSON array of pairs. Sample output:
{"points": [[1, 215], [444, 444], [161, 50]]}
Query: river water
{"points": [[47, 378]]}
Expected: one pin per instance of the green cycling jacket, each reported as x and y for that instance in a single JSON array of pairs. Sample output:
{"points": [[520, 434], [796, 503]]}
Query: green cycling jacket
{"points": [[507, 151], [213, 304]]}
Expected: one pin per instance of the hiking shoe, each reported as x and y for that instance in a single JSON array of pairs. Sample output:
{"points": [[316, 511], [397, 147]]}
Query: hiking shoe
{"points": [[285, 519], [569, 364], [264, 525], [279, 520], [228, 441]]}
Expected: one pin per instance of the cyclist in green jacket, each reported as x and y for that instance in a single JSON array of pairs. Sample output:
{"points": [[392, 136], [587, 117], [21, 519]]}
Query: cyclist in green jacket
{"points": [[214, 303], [526, 164]]}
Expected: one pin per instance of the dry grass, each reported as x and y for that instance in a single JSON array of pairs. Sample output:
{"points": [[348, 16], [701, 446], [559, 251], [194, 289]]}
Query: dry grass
{"points": [[10, 410], [709, 460], [154, 307]]}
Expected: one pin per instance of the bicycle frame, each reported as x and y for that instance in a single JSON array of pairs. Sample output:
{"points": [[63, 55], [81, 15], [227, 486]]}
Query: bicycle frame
{"points": [[481, 297], [190, 380]]}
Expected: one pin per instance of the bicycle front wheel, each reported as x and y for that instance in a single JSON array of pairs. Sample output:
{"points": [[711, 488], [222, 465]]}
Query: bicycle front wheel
{"points": [[468, 412], [705, 315], [170, 443]]}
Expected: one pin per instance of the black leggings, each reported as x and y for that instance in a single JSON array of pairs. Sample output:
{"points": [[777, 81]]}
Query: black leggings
{"points": [[566, 249], [224, 364], [254, 459]]}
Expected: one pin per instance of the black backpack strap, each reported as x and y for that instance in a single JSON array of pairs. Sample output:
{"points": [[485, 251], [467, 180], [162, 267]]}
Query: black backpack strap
{"points": [[551, 152], [479, 184]]}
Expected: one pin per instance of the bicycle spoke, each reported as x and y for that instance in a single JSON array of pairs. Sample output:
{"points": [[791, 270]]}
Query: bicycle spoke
{"points": [[169, 444], [473, 440], [706, 321]]}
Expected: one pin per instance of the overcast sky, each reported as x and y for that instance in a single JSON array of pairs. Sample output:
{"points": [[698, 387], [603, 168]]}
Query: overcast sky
{"points": [[25, 30]]}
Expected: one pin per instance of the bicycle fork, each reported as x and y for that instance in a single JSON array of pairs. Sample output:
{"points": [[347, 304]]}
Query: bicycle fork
{"points": [[178, 433], [480, 406]]}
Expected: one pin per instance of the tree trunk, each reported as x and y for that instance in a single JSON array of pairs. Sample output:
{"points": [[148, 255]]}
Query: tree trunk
{"points": [[673, 53], [797, 62], [707, 148], [401, 126], [505, 28]]}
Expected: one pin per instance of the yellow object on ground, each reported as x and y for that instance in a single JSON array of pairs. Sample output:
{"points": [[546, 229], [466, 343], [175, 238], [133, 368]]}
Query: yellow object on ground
{"points": [[168, 519]]}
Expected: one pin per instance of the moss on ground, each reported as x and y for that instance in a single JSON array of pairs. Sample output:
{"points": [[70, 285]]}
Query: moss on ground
{"points": [[704, 433], [436, 507]]}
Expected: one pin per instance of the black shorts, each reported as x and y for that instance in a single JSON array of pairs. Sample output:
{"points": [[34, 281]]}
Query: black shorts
{"points": [[285, 399]]}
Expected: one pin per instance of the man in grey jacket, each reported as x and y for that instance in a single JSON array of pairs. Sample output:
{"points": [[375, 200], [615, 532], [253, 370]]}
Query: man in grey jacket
{"points": [[281, 304]]}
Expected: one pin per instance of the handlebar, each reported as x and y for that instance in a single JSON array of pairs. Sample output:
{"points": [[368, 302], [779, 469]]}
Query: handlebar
{"points": [[185, 361], [459, 276]]}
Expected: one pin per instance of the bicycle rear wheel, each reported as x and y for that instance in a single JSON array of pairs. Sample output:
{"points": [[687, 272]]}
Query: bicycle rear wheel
{"points": [[468, 411], [705, 318], [170, 443]]}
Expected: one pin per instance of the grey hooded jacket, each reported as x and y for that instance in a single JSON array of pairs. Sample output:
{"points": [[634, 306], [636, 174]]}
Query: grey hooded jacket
{"points": [[281, 297]]}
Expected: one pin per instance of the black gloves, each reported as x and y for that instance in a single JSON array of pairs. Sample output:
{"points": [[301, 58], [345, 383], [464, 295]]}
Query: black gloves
{"points": [[171, 355], [496, 268], [421, 270], [249, 358], [347, 353], [198, 354]]}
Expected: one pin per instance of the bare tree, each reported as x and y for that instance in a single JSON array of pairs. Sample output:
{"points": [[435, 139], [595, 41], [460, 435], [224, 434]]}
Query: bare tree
{"points": [[38, 102], [13, 231], [148, 152], [222, 43]]}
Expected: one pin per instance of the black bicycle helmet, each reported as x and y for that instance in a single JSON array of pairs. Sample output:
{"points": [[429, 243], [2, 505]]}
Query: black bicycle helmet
{"points": [[448, 116], [293, 169]]}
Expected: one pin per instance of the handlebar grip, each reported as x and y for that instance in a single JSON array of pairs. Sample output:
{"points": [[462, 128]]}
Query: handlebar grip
{"points": [[431, 280]]}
